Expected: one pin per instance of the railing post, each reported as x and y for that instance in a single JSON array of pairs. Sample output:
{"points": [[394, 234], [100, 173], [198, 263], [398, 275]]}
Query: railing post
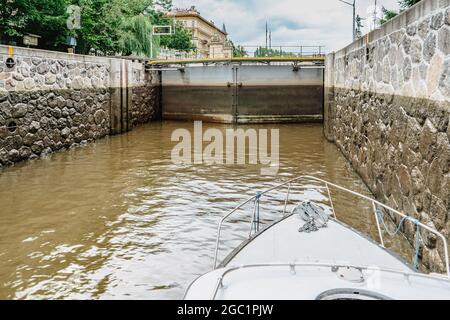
{"points": [[217, 245], [258, 197], [331, 201], [287, 199], [380, 233], [253, 220]]}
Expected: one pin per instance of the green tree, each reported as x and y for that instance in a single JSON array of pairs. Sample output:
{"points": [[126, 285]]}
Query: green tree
{"points": [[238, 51], [387, 15], [45, 18], [100, 23], [135, 36], [181, 39], [13, 18], [48, 19], [405, 4], [131, 8], [359, 26], [107, 26], [166, 5], [269, 52]]}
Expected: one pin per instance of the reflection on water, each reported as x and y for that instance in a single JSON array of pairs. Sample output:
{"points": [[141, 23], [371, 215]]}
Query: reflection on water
{"points": [[117, 219]]}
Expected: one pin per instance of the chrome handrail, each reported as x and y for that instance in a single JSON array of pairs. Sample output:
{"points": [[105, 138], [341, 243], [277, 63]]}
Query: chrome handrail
{"points": [[294, 266], [328, 184]]}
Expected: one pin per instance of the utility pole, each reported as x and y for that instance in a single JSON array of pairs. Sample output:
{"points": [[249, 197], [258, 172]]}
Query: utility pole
{"points": [[354, 16], [375, 16], [267, 33], [270, 39]]}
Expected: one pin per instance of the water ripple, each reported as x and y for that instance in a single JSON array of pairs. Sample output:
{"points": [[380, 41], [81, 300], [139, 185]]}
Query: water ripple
{"points": [[116, 219]]}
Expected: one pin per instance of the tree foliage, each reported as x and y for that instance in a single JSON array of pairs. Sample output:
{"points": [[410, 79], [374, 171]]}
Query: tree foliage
{"points": [[269, 52], [404, 5], [238, 51], [165, 5], [387, 15], [135, 36], [99, 21], [41, 17], [107, 26], [112, 26], [181, 39], [13, 17], [359, 26]]}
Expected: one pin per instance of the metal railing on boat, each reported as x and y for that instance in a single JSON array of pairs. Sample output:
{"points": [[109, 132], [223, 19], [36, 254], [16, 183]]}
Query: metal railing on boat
{"points": [[293, 268], [255, 222]]}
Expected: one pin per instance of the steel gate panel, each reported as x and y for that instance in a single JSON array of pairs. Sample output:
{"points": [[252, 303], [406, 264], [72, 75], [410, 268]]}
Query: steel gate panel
{"points": [[280, 94], [199, 93], [244, 93]]}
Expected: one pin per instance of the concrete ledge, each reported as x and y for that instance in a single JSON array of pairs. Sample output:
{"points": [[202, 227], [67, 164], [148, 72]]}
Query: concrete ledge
{"points": [[37, 53]]}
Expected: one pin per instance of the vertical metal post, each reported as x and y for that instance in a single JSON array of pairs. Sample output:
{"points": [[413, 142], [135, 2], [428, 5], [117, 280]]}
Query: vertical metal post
{"points": [[331, 201], [267, 34], [253, 220], [354, 20], [375, 16], [378, 224], [287, 200], [257, 214], [354, 15], [235, 94], [270, 39], [236, 88]]}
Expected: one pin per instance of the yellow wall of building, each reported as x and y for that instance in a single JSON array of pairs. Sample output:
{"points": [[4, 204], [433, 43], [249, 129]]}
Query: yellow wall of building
{"points": [[203, 35]]}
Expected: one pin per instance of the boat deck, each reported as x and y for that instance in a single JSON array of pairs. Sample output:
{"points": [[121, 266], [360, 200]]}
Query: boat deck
{"points": [[282, 263], [337, 244]]}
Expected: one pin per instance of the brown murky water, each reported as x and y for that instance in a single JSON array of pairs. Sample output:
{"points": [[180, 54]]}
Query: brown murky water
{"points": [[116, 219]]}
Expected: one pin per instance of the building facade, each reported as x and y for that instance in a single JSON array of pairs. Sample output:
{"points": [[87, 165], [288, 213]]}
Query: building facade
{"points": [[210, 41]]}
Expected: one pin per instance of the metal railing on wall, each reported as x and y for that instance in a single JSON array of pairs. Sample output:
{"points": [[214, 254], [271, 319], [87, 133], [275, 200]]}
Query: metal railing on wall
{"points": [[255, 51], [281, 50]]}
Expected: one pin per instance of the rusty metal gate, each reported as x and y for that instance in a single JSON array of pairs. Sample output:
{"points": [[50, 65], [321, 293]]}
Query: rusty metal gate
{"points": [[251, 93]]}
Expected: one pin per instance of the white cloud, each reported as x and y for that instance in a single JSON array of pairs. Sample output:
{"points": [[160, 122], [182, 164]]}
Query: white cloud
{"points": [[293, 22]]}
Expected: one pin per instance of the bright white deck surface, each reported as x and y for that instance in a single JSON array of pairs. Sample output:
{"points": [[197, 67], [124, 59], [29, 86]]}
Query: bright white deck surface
{"points": [[335, 245]]}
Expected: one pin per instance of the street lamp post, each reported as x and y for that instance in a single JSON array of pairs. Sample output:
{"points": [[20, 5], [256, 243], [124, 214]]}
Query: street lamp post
{"points": [[354, 16]]}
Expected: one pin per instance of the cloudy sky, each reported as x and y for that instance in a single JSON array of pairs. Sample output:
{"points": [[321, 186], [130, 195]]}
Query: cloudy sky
{"points": [[293, 22]]}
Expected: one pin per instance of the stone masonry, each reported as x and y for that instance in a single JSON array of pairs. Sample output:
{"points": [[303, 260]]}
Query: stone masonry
{"points": [[388, 109], [53, 101], [145, 97]]}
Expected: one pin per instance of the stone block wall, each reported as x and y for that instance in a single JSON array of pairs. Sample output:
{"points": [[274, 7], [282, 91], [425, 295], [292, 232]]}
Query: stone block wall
{"points": [[145, 97], [51, 101], [387, 108]]}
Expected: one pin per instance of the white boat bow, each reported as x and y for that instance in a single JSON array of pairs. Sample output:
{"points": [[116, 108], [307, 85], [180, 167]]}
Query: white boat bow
{"points": [[287, 260]]}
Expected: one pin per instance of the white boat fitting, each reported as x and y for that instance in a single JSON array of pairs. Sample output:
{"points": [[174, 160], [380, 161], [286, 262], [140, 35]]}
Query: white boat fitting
{"points": [[310, 255]]}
